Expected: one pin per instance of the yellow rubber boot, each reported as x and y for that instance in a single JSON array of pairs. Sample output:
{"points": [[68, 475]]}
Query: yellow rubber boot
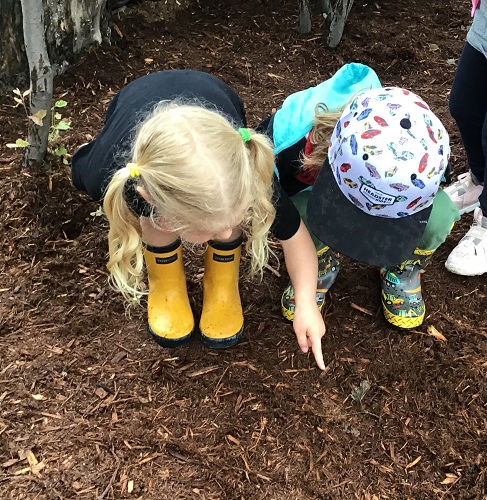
{"points": [[170, 317], [221, 323]]}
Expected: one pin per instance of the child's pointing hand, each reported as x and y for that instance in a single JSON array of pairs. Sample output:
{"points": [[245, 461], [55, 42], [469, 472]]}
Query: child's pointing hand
{"points": [[310, 328]]}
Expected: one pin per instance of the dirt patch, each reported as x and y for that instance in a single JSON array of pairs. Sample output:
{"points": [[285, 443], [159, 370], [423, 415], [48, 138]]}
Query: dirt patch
{"points": [[103, 409]]}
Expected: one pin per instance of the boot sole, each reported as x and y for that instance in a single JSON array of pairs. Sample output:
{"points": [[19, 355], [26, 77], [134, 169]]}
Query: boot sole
{"points": [[221, 343], [289, 315], [170, 342], [401, 322]]}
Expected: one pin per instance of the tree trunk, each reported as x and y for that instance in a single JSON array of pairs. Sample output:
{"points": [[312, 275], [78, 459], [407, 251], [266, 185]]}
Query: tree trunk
{"points": [[334, 11], [304, 16], [70, 25], [338, 16], [41, 80]]}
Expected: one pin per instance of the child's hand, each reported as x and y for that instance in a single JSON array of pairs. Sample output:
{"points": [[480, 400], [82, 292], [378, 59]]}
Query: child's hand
{"points": [[309, 327]]}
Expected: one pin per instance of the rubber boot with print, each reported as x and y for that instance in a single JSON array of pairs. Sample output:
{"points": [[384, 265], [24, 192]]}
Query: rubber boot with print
{"points": [[402, 300], [170, 317], [222, 321], [328, 267]]}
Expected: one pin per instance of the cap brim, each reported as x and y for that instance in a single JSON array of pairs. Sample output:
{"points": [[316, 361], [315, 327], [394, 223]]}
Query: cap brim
{"points": [[341, 225]]}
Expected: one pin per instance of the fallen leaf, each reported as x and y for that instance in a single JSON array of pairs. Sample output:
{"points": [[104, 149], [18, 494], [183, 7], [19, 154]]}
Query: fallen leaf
{"points": [[450, 479], [358, 392], [38, 118]]}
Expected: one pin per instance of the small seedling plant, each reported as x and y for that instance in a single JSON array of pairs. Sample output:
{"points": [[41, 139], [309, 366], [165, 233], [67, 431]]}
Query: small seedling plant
{"points": [[58, 125]]}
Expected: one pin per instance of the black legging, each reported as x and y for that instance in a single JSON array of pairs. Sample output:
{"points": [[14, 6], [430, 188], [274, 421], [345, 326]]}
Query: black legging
{"points": [[468, 106]]}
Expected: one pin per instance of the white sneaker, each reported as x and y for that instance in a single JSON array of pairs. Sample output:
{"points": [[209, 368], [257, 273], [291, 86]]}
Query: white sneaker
{"points": [[465, 192], [469, 257]]}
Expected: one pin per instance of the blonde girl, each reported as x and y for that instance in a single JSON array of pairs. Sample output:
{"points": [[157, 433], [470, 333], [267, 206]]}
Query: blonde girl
{"points": [[175, 162]]}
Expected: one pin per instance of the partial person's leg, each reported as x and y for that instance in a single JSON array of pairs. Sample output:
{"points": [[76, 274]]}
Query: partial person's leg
{"points": [[328, 264], [169, 313], [468, 106], [401, 295], [483, 196]]}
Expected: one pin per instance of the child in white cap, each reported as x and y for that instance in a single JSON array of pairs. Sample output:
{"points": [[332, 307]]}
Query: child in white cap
{"points": [[375, 175]]}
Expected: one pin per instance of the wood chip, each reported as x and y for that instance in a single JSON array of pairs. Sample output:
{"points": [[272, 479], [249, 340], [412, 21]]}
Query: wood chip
{"points": [[101, 393], [361, 309], [10, 462], [39, 397], [413, 463], [118, 357], [273, 75], [232, 439], [203, 371], [435, 333], [148, 459]]}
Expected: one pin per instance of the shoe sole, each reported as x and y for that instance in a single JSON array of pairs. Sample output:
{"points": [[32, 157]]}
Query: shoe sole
{"points": [[470, 208], [461, 272], [168, 341], [221, 343]]}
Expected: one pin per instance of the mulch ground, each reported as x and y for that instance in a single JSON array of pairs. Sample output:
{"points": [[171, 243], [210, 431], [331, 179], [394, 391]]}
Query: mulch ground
{"points": [[92, 408]]}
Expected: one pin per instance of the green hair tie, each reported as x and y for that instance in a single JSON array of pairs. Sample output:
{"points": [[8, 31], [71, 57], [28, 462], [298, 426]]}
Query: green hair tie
{"points": [[244, 134]]}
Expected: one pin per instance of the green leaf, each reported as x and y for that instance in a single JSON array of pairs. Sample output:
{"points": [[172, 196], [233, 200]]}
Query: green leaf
{"points": [[19, 143], [62, 125], [60, 104], [53, 135], [60, 151], [358, 393]]}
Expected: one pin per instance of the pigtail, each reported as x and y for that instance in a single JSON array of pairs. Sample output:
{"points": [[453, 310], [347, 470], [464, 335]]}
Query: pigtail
{"points": [[126, 260], [263, 212]]}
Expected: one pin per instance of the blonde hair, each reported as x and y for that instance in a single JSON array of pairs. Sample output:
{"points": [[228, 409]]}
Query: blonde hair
{"points": [[324, 122], [199, 174]]}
